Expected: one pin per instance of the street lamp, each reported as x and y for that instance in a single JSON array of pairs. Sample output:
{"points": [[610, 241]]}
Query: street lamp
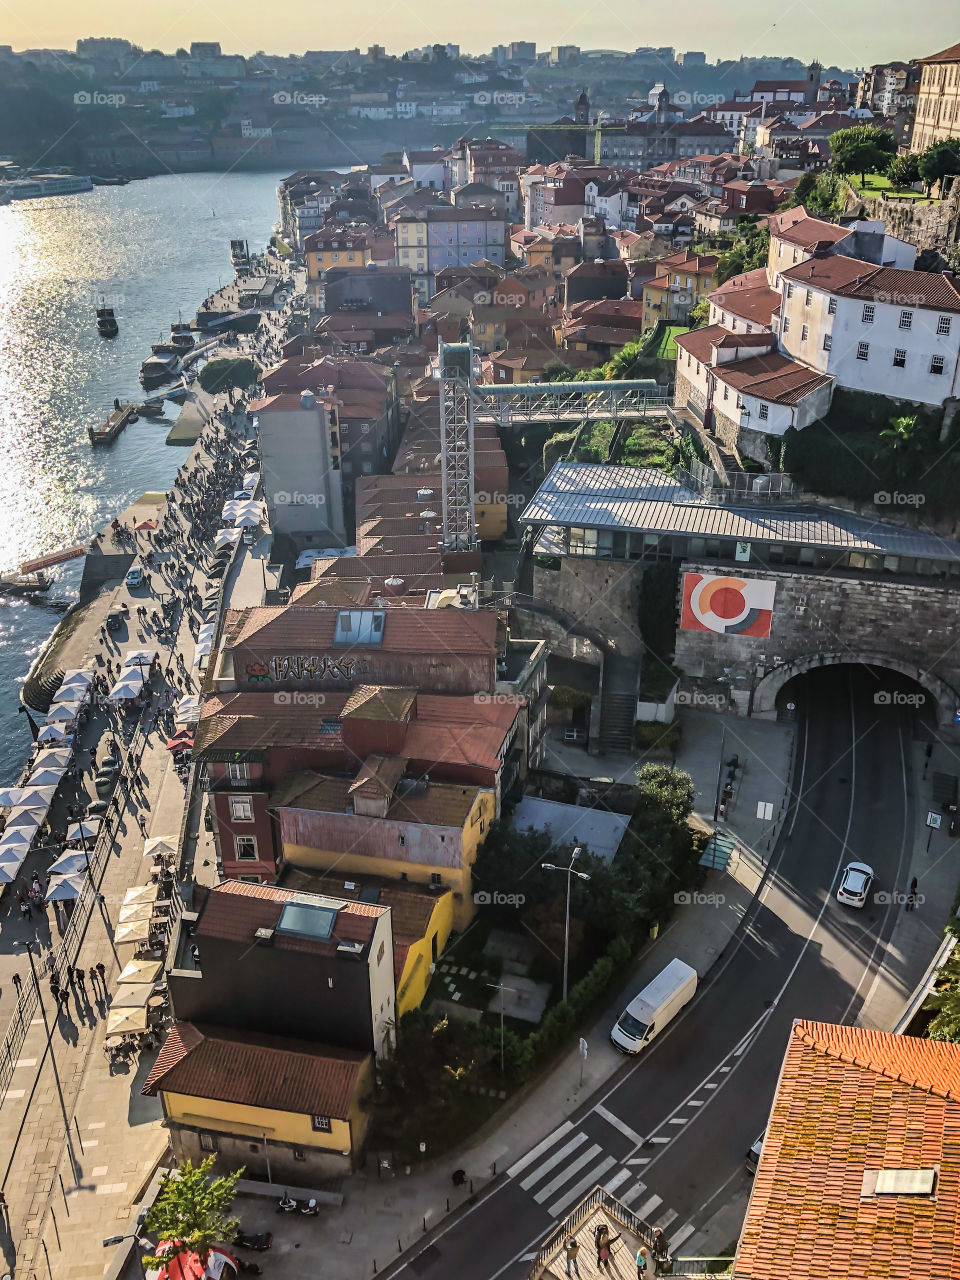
{"points": [[139, 1239], [30, 944], [581, 875]]}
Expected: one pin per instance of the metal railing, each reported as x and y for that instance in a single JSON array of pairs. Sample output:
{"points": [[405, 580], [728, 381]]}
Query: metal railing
{"points": [[518, 403]]}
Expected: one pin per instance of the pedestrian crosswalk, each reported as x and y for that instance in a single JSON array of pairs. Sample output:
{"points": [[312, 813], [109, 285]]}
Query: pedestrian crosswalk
{"points": [[562, 1168]]}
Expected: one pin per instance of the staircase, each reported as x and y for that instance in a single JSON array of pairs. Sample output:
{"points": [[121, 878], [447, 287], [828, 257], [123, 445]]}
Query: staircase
{"points": [[618, 704]]}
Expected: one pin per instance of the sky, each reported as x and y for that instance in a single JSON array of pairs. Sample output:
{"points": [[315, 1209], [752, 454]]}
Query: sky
{"points": [[846, 33]]}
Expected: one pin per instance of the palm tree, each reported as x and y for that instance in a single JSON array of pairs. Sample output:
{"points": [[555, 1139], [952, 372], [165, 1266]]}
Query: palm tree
{"points": [[898, 441]]}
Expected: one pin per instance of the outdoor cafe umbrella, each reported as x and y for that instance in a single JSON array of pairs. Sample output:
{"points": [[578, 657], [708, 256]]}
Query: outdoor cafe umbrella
{"points": [[8, 872], [133, 995], [226, 538], [25, 819], [15, 844], [53, 733], [53, 758], [160, 847], [77, 675], [128, 686], [71, 696], [135, 911], [48, 776], [140, 971], [67, 864], [250, 480], [139, 658], [126, 1021], [29, 797], [135, 931], [181, 741], [248, 520], [145, 524], [188, 710], [64, 888], [89, 829], [141, 893]]}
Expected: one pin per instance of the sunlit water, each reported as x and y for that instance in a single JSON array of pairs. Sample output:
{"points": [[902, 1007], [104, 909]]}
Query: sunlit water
{"points": [[153, 250]]}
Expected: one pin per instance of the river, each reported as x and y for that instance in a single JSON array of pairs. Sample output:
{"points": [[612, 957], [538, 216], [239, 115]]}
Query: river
{"points": [[153, 250]]}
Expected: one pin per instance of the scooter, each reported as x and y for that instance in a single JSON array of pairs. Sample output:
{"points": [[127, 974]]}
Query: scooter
{"points": [[286, 1204], [310, 1208], [258, 1240]]}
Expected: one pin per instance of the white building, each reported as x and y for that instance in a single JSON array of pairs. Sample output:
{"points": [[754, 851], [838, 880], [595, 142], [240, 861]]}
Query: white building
{"points": [[300, 450]]}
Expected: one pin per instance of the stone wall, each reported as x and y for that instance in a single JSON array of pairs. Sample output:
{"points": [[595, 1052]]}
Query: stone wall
{"points": [[910, 627], [603, 594], [928, 226]]}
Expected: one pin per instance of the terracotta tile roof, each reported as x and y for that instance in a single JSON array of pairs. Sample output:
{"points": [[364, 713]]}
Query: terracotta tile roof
{"points": [[952, 54], [748, 297], [445, 631], [250, 721], [442, 804], [796, 226], [235, 910], [851, 1101], [853, 278], [379, 702], [771, 377], [248, 1069], [699, 342]]}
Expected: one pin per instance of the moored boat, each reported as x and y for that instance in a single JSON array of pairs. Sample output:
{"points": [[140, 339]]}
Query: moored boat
{"points": [[107, 325]]}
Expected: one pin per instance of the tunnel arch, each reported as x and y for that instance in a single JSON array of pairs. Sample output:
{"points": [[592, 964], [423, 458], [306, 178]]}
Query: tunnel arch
{"points": [[764, 699]]}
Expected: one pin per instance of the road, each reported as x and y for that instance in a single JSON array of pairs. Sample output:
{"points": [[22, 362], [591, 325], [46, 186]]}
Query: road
{"points": [[668, 1133]]}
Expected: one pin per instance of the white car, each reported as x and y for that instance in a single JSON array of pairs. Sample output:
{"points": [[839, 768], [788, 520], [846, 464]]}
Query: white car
{"points": [[134, 576], [855, 884]]}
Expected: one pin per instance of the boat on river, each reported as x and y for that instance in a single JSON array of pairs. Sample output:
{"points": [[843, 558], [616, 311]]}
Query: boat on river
{"points": [[107, 432], [162, 365], [107, 325]]}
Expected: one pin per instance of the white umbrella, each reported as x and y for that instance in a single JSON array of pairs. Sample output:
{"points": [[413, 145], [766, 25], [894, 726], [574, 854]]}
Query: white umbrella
{"points": [[206, 632], [89, 829], [188, 710], [8, 872], [133, 995], [136, 931], [125, 1021], [201, 651], [11, 795], [68, 864], [141, 971], [160, 846], [64, 888], [78, 676], [15, 844], [53, 733], [128, 686], [250, 480], [248, 520], [25, 819], [62, 713], [53, 758], [140, 658], [135, 911], [141, 893], [226, 538], [72, 696], [31, 797], [49, 776]]}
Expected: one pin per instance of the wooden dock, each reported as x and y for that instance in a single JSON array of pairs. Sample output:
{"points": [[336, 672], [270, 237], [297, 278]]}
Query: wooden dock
{"points": [[108, 431]]}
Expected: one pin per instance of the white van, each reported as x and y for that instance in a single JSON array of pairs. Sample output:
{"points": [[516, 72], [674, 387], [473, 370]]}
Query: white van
{"points": [[660, 1000]]}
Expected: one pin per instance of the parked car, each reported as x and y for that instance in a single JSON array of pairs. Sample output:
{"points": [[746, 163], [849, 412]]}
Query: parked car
{"points": [[134, 576], [752, 1158], [114, 621], [855, 884]]}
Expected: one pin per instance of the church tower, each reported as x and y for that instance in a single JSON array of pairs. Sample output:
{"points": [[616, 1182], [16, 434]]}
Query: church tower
{"points": [[581, 112], [814, 71]]}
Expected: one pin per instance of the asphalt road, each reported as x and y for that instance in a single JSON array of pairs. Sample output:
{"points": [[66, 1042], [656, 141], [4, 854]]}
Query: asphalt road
{"points": [[668, 1133]]}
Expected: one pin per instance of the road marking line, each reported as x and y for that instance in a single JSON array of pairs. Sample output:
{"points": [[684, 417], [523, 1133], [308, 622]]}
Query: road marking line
{"points": [[711, 1086], [537, 1150], [15, 1093], [697, 1103], [566, 1174], [591, 1180], [528, 1257], [684, 1233], [648, 1206], [97, 1124], [25, 1062], [633, 1194], [615, 1181], [555, 1159], [639, 1160], [617, 1123], [726, 1069], [659, 1139], [670, 1216], [677, 1120]]}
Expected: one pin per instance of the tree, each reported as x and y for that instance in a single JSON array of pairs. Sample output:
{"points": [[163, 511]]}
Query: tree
{"points": [[904, 170], [939, 161], [863, 149], [946, 1002], [226, 373], [699, 313], [898, 441], [556, 371], [190, 1211]]}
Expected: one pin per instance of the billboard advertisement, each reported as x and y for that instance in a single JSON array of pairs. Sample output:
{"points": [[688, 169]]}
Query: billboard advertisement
{"points": [[727, 605]]}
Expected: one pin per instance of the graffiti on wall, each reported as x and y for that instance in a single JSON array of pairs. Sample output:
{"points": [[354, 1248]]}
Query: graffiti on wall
{"points": [[727, 605]]}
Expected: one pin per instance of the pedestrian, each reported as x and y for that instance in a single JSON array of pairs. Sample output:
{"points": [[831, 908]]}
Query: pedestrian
{"points": [[81, 983], [102, 970], [64, 996], [25, 909], [71, 974], [93, 976], [18, 984], [642, 1263], [142, 824], [912, 895], [606, 1250], [571, 1249], [55, 987], [661, 1252]]}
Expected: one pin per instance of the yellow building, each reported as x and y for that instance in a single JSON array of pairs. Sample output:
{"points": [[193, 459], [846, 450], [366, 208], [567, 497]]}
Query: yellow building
{"points": [[411, 233], [429, 836], [287, 1110], [337, 245], [938, 99], [682, 280]]}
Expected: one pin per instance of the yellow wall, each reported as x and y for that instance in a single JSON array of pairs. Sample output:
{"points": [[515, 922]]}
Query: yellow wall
{"points": [[456, 878], [413, 982], [491, 519], [323, 259]]}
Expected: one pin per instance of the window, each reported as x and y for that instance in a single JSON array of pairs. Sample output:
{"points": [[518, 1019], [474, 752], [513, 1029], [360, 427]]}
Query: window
{"points": [[764, 412], [739, 401], [869, 311], [804, 333], [299, 1153], [383, 947], [320, 1124], [726, 391], [246, 847], [906, 319], [943, 325], [899, 358], [786, 324], [832, 307], [207, 1143], [936, 364], [241, 809], [863, 350], [238, 772], [827, 342], [808, 298]]}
